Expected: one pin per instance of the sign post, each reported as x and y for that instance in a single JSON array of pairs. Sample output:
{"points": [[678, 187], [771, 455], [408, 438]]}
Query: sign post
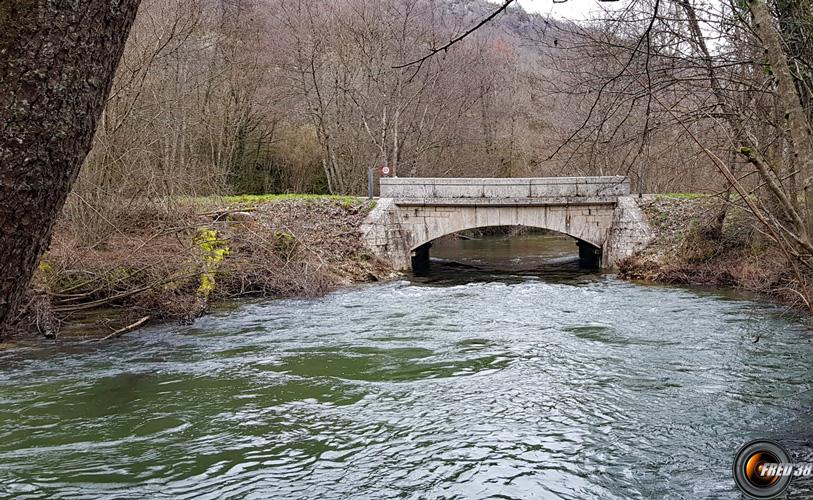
{"points": [[385, 171]]}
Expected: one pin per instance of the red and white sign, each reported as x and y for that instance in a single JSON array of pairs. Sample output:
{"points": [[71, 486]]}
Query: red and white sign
{"points": [[386, 170]]}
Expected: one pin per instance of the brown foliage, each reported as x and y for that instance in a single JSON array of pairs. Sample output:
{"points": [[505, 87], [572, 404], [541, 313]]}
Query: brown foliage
{"points": [[686, 250], [156, 264]]}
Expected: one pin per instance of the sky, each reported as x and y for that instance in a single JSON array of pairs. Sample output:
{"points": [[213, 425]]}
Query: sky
{"points": [[572, 9]]}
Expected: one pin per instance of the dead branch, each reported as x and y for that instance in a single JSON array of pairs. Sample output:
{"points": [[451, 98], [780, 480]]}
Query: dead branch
{"points": [[121, 331], [453, 41]]}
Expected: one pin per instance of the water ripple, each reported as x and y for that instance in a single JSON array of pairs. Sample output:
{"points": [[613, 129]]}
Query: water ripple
{"points": [[585, 388]]}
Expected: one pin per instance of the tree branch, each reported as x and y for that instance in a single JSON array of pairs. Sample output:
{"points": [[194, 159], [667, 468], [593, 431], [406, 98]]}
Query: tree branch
{"points": [[453, 41]]}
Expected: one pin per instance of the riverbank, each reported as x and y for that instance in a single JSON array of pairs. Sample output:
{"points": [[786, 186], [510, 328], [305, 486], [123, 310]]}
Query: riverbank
{"points": [[161, 263], [690, 246], [173, 263]]}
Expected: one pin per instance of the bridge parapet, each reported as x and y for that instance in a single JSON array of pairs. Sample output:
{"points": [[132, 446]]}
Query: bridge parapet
{"points": [[504, 191]]}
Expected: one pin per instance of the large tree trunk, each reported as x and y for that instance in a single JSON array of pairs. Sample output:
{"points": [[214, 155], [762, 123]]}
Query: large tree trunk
{"points": [[57, 60], [798, 126]]}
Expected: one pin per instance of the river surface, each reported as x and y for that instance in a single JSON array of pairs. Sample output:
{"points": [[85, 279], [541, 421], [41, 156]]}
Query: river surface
{"points": [[467, 383]]}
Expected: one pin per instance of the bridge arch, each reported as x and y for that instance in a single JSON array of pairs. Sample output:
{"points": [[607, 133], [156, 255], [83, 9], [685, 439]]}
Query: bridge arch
{"points": [[596, 211], [588, 225]]}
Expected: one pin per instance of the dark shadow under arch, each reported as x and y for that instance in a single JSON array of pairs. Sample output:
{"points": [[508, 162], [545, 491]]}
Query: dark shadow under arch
{"points": [[590, 255]]}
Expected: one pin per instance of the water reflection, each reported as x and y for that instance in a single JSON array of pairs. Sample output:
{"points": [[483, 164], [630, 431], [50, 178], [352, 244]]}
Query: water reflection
{"points": [[504, 257], [526, 251]]}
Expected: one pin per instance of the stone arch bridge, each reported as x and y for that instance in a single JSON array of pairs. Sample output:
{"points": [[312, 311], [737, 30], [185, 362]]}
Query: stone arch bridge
{"points": [[597, 211]]}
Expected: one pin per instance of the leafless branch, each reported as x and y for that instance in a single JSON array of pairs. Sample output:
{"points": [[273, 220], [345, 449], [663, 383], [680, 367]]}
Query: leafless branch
{"points": [[457, 39]]}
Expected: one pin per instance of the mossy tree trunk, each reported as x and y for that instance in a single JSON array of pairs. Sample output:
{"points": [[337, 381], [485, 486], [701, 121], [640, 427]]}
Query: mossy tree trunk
{"points": [[57, 60]]}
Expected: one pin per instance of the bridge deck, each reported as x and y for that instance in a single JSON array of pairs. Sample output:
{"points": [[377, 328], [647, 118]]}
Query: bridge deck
{"points": [[504, 191]]}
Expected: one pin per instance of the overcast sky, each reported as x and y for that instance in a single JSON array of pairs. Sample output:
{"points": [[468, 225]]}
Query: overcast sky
{"points": [[572, 9]]}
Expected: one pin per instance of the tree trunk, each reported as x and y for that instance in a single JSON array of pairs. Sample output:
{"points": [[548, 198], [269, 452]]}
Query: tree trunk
{"points": [[57, 60], [795, 17], [798, 125]]}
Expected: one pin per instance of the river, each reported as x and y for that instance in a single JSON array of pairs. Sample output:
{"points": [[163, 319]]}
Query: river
{"points": [[527, 379]]}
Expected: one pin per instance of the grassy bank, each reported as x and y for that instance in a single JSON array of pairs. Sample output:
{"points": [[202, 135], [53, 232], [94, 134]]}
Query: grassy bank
{"points": [[691, 247], [171, 262]]}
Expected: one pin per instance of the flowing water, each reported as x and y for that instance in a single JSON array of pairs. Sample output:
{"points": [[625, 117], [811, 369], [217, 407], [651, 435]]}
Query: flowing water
{"points": [[468, 383]]}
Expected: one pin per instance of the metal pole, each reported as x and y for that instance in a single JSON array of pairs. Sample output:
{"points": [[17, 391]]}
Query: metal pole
{"points": [[370, 183]]}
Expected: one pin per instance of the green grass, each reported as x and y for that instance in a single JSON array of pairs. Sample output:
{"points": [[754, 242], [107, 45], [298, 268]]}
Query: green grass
{"points": [[683, 196], [275, 198]]}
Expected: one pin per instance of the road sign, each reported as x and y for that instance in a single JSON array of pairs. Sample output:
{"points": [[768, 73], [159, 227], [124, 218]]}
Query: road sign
{"points": [[386, 170]]}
